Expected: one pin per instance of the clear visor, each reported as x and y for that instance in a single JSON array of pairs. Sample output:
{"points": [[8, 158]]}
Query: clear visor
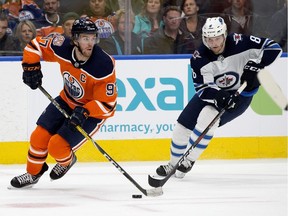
{"points": [[87, 39]]}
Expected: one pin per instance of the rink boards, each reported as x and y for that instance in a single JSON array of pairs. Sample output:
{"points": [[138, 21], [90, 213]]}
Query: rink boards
{"points": [[152, 92]]}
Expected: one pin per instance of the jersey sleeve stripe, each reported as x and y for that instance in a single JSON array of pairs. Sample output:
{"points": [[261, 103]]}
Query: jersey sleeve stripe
{"points": [[102, 107], [33, 51]]}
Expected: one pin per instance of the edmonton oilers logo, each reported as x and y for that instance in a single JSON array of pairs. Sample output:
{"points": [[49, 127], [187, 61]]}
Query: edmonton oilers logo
{"points": [[72, 86], [105, 28]]}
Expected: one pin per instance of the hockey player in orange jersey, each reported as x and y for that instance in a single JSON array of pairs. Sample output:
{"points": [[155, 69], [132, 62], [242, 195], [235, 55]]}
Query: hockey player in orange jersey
{"points": [[89, 96]]}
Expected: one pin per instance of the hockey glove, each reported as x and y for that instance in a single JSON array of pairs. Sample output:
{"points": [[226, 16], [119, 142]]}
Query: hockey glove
{"points": [[78, 117], [32, 75], [224, 99], [249, 75]]}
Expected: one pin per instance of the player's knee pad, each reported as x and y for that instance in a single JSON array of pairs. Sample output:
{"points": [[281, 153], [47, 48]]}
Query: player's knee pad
{"points": [[58, 147], [39, 138], [181, 134], [205, 117]]}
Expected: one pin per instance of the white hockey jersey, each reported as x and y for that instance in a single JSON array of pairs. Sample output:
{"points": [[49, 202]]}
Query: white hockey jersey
{"points": [[213, 72]]}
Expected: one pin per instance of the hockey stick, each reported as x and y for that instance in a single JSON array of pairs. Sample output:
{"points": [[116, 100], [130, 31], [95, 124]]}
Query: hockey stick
{"points": [[147, 192], [271, 87], [156, 182]]}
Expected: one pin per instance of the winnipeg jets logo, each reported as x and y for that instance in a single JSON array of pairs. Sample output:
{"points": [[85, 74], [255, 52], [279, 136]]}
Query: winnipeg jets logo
{"points": [[227, 80], [72, 86], [196, 54], [237, 38]]}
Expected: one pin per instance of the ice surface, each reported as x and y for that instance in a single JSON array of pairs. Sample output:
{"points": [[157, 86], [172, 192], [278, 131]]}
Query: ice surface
{"points": [[212, 188]]}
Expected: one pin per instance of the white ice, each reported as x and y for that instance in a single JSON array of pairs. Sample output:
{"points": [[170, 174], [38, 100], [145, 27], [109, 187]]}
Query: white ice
{"points": [[212, 188]]}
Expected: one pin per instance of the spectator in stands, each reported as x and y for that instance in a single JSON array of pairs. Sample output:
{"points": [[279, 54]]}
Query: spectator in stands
{"points": [[99, 12], [277, 27], [238, 18], [50, 23], [8, 43], [149, 20], [166, 39], [11, 10], [191, 26], [25, 32], [114, 45], [209, 8], [172, 3], [30, 11], [136, 5], [68, 20]]}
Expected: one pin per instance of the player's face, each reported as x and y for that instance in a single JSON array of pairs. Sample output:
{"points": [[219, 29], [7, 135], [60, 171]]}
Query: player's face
{"points": [[216, 44], [86, 44]]}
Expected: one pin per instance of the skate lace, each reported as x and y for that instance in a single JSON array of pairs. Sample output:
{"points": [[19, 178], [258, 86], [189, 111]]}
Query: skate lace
{"points": [[25, 178], [58, 169], [187, 164], [167, 168]]}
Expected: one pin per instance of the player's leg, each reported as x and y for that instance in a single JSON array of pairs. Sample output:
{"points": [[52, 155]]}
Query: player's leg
{"points": [[48, 124], [205, 117], [178, 145], [181, 134], [37, 155], [63, 145], [62, 152]]}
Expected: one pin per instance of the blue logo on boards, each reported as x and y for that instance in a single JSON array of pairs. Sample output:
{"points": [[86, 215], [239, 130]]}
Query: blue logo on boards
{"points": [[142, 97]]}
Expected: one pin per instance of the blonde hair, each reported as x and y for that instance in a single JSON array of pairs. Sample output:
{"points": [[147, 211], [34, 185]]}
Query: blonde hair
{"points": [[121, 12], [18, 31]]}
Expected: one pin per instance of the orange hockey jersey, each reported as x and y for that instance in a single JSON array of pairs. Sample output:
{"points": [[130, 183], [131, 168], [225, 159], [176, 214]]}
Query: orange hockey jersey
{"points": [[91, 84]]}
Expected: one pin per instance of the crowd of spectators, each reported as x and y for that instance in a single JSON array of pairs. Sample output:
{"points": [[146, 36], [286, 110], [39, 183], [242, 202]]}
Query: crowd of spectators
{"points": [[155, 26]]}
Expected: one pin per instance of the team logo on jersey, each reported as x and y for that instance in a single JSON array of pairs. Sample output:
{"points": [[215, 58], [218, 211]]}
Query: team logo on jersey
{"points": [[227, 80], [237, 38], [72, 86], [196, 54]]}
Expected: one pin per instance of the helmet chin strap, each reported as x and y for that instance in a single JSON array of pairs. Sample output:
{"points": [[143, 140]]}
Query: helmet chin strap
{"points": [[78, 62], [79, 48]]}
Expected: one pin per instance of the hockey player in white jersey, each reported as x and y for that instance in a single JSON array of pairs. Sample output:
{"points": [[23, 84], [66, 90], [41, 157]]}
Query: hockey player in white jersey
{"points": [[219, 67]]}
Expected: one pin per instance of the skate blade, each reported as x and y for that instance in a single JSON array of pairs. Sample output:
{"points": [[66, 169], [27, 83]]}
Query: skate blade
{"points": [[10, 187], [180, 175]]}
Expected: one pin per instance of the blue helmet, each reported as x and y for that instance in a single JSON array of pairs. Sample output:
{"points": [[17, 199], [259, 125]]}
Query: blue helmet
{"points": [[84, 25]]}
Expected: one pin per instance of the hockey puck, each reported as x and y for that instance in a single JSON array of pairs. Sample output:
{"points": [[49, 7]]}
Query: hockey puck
{"points": [[137, 196]]}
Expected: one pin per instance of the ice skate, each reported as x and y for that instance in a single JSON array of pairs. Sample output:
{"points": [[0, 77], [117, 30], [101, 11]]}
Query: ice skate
{"points": [[59, 171], [164, 170], [184, 168], [27, 180]]}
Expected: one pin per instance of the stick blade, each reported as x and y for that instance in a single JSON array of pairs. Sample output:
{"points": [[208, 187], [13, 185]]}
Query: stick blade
{"points": [[155, 192], [272, 88], [154, 182]]}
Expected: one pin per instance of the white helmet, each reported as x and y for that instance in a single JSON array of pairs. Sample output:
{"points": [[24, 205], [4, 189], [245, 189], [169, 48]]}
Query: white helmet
{"points": [[214, 27]]}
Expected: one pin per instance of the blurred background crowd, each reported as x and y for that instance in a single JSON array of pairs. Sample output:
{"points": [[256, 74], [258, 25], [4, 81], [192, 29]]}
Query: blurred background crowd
{"points": [[153, 26]]}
